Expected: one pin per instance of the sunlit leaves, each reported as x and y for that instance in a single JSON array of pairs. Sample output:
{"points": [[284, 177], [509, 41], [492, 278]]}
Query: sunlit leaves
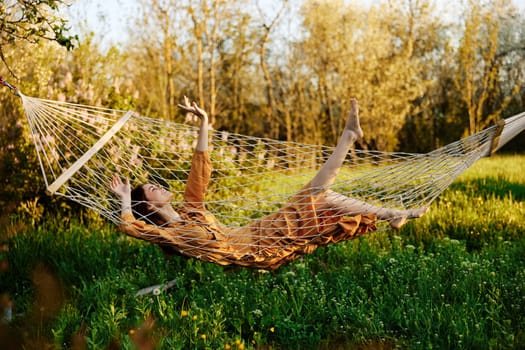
{"points": [[32, 21]]}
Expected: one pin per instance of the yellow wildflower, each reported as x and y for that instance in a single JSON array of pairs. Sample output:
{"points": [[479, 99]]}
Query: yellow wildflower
{"points": [[183, 313]]}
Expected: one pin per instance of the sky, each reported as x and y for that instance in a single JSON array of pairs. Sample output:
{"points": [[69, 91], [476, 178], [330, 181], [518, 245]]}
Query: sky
{"points": [[112, 17], [109, 19]]}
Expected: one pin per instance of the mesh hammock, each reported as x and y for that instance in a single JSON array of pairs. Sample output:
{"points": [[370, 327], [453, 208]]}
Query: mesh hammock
{"points": [[80, 148]]}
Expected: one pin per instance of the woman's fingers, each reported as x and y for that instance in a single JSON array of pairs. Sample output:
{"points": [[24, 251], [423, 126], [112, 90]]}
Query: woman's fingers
{"points": [[116, 180], [117, 185], [192, 108]]}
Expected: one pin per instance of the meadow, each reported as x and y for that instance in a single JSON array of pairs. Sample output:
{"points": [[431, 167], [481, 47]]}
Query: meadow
{"points": [[454, 279]]}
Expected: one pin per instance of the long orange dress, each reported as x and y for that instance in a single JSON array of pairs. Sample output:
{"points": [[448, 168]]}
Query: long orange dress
{"points": [[305, 223]]}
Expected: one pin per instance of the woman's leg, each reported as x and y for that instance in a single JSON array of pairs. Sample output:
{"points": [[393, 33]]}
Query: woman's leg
{"points": [[351, 206], [352, 132]]}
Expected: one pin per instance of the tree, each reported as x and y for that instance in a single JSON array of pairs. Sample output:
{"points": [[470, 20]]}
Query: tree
{"points": [[155, 58], [427, 125], [200, 49], [511, 53], [215, 27], [206, 18], [32, 21], [364, 53], [480, 64], [270, 110], [238, 84]]}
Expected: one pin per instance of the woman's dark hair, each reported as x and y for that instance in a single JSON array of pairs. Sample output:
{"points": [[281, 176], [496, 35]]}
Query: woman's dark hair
{"points": [[139, 206]]}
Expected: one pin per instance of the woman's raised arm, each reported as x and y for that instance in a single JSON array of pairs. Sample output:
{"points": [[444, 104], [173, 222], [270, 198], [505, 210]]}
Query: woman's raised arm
{"points": [[202, 141]]}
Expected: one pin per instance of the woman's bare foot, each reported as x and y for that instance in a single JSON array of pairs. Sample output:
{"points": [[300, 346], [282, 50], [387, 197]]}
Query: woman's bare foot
{"points": [[417, 213], [398, 221], [352, 123]]}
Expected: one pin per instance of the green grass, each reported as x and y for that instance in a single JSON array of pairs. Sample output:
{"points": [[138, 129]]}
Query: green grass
{"points": [[452, 279]]}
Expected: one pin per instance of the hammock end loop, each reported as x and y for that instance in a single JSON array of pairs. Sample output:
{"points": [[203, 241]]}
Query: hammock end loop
{"points": [[13, 89], [494, 142]]}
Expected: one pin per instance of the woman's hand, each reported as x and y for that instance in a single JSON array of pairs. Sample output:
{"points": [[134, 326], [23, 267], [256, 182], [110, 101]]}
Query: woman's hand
{"points": [[194, 108], [202, 141], [121, 189]]}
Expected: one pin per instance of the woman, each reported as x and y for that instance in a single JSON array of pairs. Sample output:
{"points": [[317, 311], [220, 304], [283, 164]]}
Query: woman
{"points": [[315, 216]]}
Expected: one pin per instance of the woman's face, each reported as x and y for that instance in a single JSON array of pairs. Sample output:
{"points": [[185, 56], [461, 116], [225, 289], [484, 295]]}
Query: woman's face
{"points": [[157, 195]]}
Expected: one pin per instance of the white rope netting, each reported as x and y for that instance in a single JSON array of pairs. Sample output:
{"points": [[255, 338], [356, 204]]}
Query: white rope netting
{"points": [[81, 147]]}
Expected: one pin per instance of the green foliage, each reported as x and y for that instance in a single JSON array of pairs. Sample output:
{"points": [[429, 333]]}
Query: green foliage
{"points": [[80, 77], [20, 178], [31, 21], [452, 279]]}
